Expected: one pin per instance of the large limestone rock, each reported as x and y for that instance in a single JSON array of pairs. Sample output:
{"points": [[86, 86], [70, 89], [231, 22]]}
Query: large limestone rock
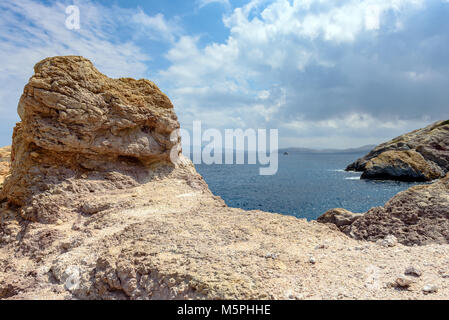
{"points": [[421, 155], [82, 132], [419, 215]]}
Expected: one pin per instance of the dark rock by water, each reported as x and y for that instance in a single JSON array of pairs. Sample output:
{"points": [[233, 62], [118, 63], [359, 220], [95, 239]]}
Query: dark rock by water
{"points": [[421, 155]]}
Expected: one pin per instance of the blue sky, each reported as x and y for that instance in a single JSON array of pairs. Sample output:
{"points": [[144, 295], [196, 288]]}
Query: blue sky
{"points": [[325, 73]]}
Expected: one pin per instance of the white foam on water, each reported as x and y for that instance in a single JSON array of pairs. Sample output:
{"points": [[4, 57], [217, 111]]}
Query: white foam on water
{"points": [[353, 178]]}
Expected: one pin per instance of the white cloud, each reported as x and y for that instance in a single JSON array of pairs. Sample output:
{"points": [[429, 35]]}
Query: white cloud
{"points": [[337, 22], [347, 131], [353, 121], [372, 18], [273, 39], [271, 45], [156, 27]]}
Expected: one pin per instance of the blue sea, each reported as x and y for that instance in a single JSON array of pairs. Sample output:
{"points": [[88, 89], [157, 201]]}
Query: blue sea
{"points": [[306, 185]]}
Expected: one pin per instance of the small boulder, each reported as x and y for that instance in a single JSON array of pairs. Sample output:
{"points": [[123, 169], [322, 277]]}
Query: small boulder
{"points": [[404, 282], [388, 241], [322, 246], [94, 207], [430, 288], [412, 271], [271, 256], [340, 217]]}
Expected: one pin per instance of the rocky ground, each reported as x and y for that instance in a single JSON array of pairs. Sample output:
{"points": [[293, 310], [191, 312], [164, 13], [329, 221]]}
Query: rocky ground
{"points": [[191, 246], [421, 155], [100, 204]]}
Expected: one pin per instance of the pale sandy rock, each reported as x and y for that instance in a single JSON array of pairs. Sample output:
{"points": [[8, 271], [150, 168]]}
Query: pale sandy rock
{"points": [[421, 155], [404, 282], [82, 132], [412, 271], [388, 241], [430, 288], [5, 163], [342, 218]]}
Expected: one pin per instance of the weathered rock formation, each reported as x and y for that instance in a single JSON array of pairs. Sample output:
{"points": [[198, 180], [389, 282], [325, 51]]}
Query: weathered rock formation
{"points": [[419, 215], [95, 208], [81, 133], [421, 155]]}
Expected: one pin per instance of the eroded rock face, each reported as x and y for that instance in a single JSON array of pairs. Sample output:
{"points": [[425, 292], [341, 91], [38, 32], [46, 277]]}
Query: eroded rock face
{"points": [[401, 165], [419, 215], [82, 132], [421, 155], [5, 163]]}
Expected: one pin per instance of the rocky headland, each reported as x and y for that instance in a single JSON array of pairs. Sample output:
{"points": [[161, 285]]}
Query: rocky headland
{"points": [[421, 155], [99, 203]]}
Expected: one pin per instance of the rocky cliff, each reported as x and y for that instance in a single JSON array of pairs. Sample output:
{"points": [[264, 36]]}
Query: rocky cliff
{"points": [[421, 155], [96, 208]]}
